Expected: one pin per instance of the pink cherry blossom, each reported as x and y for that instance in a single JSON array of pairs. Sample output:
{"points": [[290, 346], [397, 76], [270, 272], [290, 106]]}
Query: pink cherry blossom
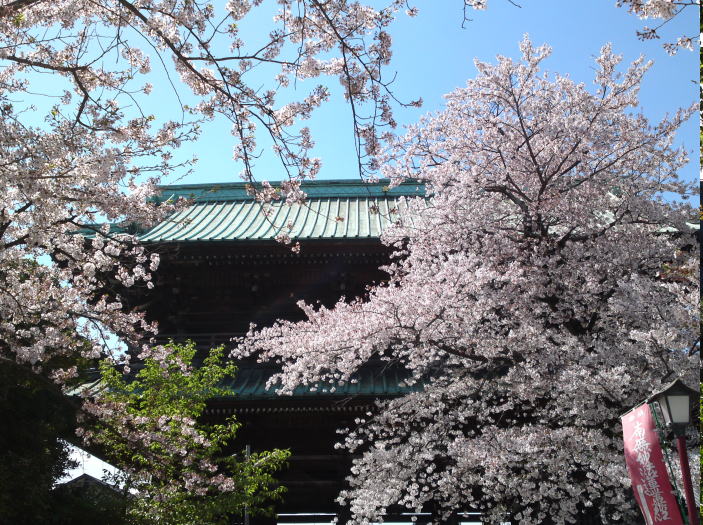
{"points": [[545, 287]]}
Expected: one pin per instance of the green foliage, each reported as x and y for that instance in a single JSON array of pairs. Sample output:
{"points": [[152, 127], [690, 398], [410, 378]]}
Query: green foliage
{"points": [[34, 417], [167, 445]]}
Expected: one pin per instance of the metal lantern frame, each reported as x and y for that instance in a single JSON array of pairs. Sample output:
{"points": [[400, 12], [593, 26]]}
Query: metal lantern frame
{"points": [[676, 402]]}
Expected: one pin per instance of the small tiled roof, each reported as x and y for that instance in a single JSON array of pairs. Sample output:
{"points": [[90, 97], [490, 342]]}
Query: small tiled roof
{"points": [[375, 379], [337, 209], [250, 384]]}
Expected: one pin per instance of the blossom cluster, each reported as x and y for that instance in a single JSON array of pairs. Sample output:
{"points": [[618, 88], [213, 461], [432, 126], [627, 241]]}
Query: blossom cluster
{"points": [[662, 10]]}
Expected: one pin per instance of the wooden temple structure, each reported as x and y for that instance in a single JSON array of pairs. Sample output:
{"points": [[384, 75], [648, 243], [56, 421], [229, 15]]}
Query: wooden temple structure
{"points": [[222, 269]]}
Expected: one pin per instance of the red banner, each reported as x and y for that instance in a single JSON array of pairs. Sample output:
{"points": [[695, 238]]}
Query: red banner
{"points": [[645, 463]]}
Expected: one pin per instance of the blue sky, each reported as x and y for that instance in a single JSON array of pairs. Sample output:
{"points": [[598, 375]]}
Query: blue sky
{"points": [[433, 55]]}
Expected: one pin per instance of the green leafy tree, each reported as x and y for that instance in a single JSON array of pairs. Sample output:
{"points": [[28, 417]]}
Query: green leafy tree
{"points": [[34, 418], [179, 469]]}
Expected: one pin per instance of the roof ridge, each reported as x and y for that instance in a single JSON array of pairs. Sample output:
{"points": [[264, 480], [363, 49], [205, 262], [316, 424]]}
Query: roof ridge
{"points": [[309, 182], [316, 189]]}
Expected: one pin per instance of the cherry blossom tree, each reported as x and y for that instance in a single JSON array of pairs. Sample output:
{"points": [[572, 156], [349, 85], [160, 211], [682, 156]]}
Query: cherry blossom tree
{"points": [[547, 284], [106, 50]]}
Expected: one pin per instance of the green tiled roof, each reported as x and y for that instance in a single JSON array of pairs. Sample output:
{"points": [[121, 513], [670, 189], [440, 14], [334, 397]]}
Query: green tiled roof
{"points": [[337, 209]]}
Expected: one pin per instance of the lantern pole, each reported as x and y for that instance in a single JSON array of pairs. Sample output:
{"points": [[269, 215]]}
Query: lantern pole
{"points": [[687, 485]]}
